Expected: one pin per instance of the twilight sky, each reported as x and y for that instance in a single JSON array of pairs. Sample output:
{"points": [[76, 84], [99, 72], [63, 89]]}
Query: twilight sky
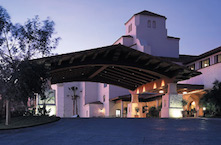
{"points": [[86, 24]]}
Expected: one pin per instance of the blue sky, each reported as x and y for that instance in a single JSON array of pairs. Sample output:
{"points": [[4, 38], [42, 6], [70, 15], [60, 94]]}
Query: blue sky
{"points": [[85, 24]]}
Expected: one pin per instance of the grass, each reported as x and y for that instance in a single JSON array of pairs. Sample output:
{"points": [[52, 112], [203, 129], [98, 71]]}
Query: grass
{"points": [[27, 121]]}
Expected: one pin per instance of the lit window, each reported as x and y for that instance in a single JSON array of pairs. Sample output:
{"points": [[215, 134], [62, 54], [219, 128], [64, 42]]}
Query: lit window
{"points": [[192, 67], [154, 24], [217, 58], [149, 24], [205, 63], [104, 98], [118, 113], [130, 28]]}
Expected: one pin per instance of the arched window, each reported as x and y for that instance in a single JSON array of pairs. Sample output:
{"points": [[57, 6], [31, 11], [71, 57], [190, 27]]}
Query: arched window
{"points": [[149, 24], [154, 24]]}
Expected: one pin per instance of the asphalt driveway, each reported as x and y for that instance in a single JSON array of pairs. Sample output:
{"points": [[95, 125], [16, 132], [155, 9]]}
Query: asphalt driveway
{"points": [[109, 131]]}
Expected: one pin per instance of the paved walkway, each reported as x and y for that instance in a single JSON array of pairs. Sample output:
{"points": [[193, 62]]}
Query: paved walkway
{"points": [[118, 132]]}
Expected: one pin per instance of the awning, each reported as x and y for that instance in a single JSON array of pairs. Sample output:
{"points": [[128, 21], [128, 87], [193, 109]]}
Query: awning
{"points": [[117, 65]]}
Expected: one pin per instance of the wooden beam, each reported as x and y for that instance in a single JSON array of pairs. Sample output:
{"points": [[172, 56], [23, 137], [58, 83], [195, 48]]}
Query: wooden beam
{"points": [[71, 60], [128, 54], [129, 73], [150, 76], [120, 77], [83, 58], [98, 71], [106, 53], [114, 82], [116, 79], [60, 61], [129, 76], [138, 58], [94, 56]]}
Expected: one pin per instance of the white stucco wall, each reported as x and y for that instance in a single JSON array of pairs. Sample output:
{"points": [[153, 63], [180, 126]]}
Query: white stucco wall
{"points": [[151, 40], [95, 110], [91, 92], [208, 76]]}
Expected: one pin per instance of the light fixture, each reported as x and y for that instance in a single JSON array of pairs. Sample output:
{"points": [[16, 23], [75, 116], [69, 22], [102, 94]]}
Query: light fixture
{"points": [[138, 91], [162, 83], [204, 108], [101, 110], [154, 86], [193, 103], [161, 91], [184, 92], [144, 89]]}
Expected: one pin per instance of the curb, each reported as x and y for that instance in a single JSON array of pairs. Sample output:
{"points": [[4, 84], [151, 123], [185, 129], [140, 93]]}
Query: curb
{"points": [[57, 119]]}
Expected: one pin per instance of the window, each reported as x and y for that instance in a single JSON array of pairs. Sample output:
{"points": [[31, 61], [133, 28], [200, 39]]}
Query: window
{"points": [[217, 58], [149, 24], [192, 67], [154, 24], [105, 85], [130, 28], [104, 98], [205, 63]]}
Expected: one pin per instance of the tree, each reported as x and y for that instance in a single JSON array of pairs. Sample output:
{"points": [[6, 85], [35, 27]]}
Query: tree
{"points": [[19, 44], [212, 99]]}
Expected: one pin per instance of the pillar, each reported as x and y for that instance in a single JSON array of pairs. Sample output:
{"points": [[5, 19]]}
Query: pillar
{"points": [[172, 103], [134, 104], [122, 109]]}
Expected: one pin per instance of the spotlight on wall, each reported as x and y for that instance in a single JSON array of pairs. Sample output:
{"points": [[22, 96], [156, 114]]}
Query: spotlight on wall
{"points": [[161, 91]]}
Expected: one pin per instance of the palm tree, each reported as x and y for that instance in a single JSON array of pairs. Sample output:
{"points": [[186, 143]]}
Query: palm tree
{"points": [[74, 98]]}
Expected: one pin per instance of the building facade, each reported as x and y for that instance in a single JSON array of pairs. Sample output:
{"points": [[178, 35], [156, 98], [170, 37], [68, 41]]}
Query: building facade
{"points": [[145, 32]]}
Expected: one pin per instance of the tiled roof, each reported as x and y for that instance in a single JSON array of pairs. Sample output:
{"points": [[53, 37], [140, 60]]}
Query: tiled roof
{"points": [[206, 54], [148, 13], [182, 58]]}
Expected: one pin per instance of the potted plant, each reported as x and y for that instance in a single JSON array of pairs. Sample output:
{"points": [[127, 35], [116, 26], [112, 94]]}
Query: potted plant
{"points": [[137, 110]]}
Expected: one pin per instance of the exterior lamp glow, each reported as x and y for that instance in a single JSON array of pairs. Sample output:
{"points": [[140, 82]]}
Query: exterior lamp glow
{"points": [[138, 91], [185, 92], [144, 89], [161, 91], [162, 83], [101, 110], [193, 103], [204, 108], [154, 86]]}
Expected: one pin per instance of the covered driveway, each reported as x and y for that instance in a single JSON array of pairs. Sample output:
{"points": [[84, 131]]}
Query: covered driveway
{"points": [[115, 64]]}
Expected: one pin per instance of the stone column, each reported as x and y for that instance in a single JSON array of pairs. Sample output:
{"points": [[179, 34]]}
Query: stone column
{"points": [[122, 109], [134, 103], [134, 98], [171, 103]]}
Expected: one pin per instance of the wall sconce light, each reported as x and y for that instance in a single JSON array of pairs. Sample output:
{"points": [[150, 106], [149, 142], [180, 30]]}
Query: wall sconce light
{"points": [[144, 89], [154, 86], [138, 91], [204, 108], [162, 83]]}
